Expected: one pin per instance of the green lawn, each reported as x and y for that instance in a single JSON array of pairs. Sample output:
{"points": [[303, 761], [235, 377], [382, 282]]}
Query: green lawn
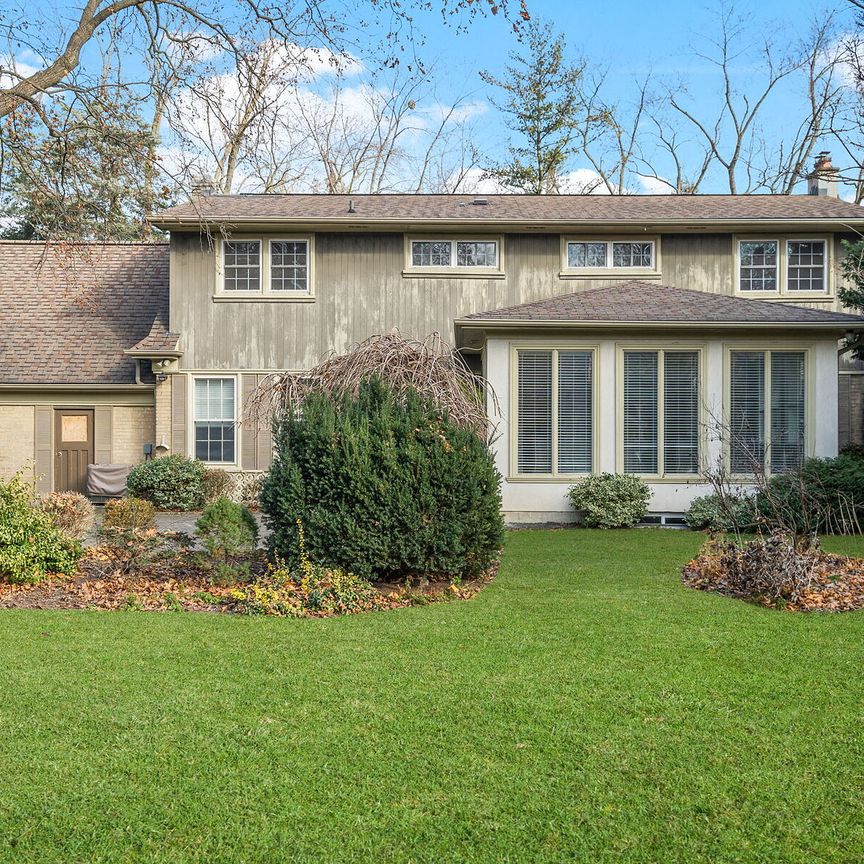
{"points": [[585, 707]]}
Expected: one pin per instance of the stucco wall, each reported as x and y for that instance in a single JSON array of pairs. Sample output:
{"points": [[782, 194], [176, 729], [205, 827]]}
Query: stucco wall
{"points": [[545, 500], [131, 429], [17, 439]]}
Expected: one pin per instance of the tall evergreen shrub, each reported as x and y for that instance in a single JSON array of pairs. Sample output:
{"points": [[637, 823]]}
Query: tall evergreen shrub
{"points": [[385, 488]]}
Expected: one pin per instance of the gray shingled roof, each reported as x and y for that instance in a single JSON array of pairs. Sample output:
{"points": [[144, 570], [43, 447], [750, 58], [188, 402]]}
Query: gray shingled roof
{"points": [[160, 340], [572, 209], [70, 311], [639, 302]]}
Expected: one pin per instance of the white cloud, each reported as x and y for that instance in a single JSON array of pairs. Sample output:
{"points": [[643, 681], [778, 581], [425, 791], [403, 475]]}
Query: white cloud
{"points": [[654, 186], [14, 68]]}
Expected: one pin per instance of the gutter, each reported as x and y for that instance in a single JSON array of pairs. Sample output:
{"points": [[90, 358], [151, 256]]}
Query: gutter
{"points": [[511, 324], [121, 388]]}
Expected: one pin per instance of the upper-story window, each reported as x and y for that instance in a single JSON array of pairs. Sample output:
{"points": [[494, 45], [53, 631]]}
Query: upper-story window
{"points": [[783, 266], [480, 256], [596, 254], [241, 262], [273, 269]]}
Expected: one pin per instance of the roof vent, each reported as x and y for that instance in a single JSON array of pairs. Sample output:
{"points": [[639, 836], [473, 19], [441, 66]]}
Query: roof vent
{"points": [[351, 208], [480, 202]]}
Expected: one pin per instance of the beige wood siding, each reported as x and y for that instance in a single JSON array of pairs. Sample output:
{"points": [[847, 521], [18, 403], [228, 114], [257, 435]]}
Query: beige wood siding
{"points": [[255, 438], [17, 432], [360, 290]]}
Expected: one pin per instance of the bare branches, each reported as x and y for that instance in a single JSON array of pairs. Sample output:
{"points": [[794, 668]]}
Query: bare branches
{"points": [[430, 367]]}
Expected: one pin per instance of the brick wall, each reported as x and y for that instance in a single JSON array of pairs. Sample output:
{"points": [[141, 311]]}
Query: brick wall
{"points": [[17, 438], [163, 416], [131, 429]]}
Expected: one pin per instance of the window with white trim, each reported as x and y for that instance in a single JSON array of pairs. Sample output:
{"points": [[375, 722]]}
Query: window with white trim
{"points": [[599, 254], [806, 263], [241, 265], [455, 253], [767, 410], [289, 266], [661, 412], [555, 411], [784, 266], [215, 420]]}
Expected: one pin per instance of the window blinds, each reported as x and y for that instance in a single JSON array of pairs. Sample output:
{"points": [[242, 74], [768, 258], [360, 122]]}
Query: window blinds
{"points": [[575, 398], [787, 410], [640, 412], [534, 412], [681, 412], [747, 411]]}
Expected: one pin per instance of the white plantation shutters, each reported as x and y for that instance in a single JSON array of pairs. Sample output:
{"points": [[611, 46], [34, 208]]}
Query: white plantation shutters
{"points": [[767, 409], [787, 409], [661, 435], [640, 412], [535, 412], [575, 410], [681, 412], [555, 412]]}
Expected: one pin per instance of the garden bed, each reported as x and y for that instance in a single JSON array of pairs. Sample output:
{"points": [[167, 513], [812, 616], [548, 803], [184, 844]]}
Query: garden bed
{"points": [[184, 585], [835, 583]]}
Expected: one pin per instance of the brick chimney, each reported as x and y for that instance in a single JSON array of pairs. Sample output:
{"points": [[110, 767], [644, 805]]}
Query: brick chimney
{"points": [[822, 180]]}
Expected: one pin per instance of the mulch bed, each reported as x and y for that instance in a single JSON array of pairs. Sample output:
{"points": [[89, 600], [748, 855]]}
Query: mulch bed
{"points": [[163, 589], [836, 584]]}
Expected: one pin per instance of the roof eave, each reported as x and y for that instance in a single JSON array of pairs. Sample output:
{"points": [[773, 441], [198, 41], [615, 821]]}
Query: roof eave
{"points": [[535, 323]]}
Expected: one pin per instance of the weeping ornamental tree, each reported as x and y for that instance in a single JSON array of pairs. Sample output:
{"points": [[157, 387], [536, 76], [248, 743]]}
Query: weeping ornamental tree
{"points": [[383, 479]]}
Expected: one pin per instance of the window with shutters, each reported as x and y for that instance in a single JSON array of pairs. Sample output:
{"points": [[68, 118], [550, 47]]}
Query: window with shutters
{"points": [[783, 266], [660, 428], [554, 412], [215, 420], [584, 255], [767, 410]]}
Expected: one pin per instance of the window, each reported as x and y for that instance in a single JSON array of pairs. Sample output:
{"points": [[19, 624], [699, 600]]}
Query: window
{"points": [[586, 254], [555, 412], [289, 265], [766, 410], [632, 254], [661, 412], [758, 265], [454, 253], [597, 254], [214, 420], [241, 265], [787, 266], [806, 265]]}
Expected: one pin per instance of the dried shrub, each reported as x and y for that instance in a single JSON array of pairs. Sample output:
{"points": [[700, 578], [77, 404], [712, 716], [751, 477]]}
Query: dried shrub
{"points": [[129, 514], [429, 368], [216, 484], [133, 551], [70, 512]]}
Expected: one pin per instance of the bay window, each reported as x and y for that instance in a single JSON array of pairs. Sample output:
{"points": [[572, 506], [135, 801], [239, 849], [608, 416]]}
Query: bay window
{"points": [[554, 411], [660, 416], [767, 410]]}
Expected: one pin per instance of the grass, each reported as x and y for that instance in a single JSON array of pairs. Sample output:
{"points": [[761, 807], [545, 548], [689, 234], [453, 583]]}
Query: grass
{"points": [[585, 707]]}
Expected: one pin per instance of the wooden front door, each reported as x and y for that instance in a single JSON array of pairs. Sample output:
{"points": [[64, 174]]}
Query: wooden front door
{"points": [[73, 439]]}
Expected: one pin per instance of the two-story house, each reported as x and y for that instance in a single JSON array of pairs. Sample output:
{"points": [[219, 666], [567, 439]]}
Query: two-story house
{"points": [[650, 335]]}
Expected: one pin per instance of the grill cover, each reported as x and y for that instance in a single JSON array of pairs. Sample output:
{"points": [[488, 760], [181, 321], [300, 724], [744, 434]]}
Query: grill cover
{"points": [[108, 481]]}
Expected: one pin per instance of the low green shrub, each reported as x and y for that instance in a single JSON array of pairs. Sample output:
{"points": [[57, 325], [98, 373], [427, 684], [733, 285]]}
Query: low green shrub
{"points": [[707, 513], [170, 482], [31, 545], [71, 512], [855, 451], [610, 500], [215, 484], [824, 495], [128, 514], [227, 530], [387, 487]]}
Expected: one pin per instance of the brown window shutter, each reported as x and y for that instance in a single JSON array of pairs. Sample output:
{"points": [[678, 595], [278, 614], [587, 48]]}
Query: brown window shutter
{"points": [[178, 413], [265, 441], [103, 422], [44, 449]]}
